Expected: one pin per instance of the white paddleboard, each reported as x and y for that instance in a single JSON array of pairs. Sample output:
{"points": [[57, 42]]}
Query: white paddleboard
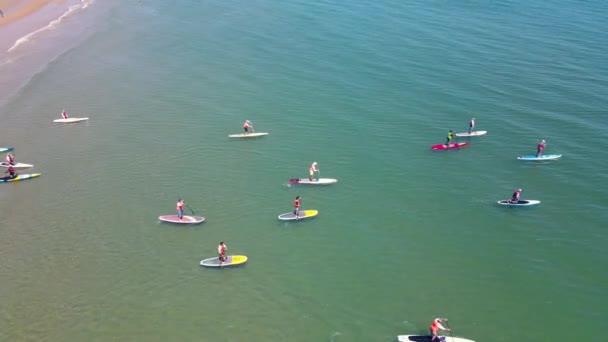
{"points": [[320, 181], [70, 120], [247, 135], [542, 157], [17, 165], [427, 338], [303, 214], [231, 260], [472, 134], [520, 203]]}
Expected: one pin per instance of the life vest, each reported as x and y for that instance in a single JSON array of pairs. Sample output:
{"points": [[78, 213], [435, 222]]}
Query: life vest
{"points": [[296, 203], [434, 326]]}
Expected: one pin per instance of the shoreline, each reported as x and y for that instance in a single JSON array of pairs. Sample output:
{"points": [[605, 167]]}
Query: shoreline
{"points": [[31, 40], [24, 17], [15, 10]]}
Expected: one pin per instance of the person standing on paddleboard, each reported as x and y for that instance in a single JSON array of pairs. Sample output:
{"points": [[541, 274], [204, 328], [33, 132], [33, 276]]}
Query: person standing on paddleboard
{"points": [[471, 125], [539, 148], [10, 159], [246, 126], [296, 206], [312, 169], [449, 137], [11, 171], [435, 326], [515, 197], [180, 208], [64, 114], [221, 250]]}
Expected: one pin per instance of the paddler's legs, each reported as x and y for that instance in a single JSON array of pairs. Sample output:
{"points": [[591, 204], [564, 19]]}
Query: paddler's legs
{"points": [[180, 213], [433, 335]]}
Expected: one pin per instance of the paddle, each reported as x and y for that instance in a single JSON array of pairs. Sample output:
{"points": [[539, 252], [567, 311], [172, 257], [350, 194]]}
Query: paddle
{"points": [[252, 129], [448, 326]]}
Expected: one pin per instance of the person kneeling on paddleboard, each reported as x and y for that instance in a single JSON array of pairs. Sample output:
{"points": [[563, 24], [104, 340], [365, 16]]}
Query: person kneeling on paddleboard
{"points": [[471, 125], [296, 206], [539, 148], [435, 326], [10, 159], [246, 126], [449, 137], [515, 197], [221, 250], [312, 169], [11, 171], [180, 208]]}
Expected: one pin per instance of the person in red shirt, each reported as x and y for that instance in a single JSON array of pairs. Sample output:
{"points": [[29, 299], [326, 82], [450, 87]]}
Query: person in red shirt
{"points": [[296, 206], [11, 171], [10, 159], [221, 250], [539, 148], [435, 326], [180, 208], [246, 126], [515, 197]]}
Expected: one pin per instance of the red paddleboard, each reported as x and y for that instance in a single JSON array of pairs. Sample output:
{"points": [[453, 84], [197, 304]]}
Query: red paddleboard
{"points": [[451, 145]]}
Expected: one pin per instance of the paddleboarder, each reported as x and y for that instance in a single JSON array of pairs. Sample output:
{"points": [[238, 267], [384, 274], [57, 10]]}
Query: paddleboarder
{"points": [[221, 250], [312, 169], [246, 126], [539, 148], [515, 197], [435, 326], [296, 206], [471, 125], [449, 138], [180, 208], [11, 171], [64, 114], [10, 159]]}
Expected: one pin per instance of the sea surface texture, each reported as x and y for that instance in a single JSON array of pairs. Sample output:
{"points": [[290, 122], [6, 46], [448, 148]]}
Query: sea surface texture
{"points": [[363, 88]]}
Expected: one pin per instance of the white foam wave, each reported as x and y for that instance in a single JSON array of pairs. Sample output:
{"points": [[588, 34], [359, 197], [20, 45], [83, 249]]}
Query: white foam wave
{"points": [[82, 5]]}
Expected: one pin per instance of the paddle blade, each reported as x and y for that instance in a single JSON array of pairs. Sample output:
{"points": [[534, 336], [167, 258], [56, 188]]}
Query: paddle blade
{"points": [[294, 180]]}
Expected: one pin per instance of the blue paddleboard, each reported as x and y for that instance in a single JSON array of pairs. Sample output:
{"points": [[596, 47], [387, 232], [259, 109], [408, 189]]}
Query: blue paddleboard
{"points": [[533, 157]]}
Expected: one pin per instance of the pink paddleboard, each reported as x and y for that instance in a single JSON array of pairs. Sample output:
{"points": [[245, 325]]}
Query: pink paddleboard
{"points": [[446, 147], [185, 219]]}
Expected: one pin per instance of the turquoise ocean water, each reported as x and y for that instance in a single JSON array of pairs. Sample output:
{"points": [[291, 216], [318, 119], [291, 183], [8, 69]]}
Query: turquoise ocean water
{"points": [[364, 89]]}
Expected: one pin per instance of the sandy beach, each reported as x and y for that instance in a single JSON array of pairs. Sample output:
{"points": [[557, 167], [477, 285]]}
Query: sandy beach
{"points": [[14, 10]]}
